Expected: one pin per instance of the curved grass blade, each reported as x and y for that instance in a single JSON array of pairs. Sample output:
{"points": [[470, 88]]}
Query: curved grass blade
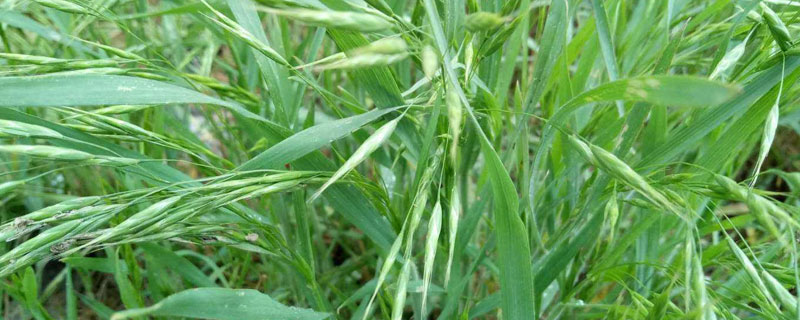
{"points": [[98, 90], [222, 304], [370, 145], [309, 140], [686, 136]]}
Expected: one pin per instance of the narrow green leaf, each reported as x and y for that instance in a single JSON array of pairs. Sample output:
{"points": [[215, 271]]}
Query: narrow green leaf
{"points": [[222, 304], [98, 90], [309, 140]]}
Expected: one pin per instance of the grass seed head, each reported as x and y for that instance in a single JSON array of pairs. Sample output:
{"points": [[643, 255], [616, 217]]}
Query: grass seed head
{"points": [[55, 153], [346, 20], [776, 27], [63, 5], [582, 148], [390, 45], [430, 61], [364, 61], [483, 21], [22, 129], [454, 119]]}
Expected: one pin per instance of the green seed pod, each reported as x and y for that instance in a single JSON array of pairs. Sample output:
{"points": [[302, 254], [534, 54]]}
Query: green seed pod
{"points": [[364, 61], [676, 178], [483, 21], [9, 186], [759, 210], [391, 45], [138, 221], [63, 5], [737, 191], [24, 58], [119, 109], [454, 116], [51, 152], [612, 215], [22, 129], [641, 203], [237, 30], [41, 240], [83, 212], [430, 61], [353, 21], [582, 149], [621, 171], [777, 289], [776, 27], [61, 207], [674, 197], [84, 64]]}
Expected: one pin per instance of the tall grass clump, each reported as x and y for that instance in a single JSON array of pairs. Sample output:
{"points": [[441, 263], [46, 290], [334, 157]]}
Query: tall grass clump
{"points": [[385, 159]]}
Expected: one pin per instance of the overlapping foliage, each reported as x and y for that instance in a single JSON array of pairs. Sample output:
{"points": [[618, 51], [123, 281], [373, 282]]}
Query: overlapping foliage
{"points": [[341, 159]]}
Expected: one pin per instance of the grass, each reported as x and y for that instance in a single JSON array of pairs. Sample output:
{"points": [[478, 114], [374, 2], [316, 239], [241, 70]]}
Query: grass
{"points": [[242, 159]]}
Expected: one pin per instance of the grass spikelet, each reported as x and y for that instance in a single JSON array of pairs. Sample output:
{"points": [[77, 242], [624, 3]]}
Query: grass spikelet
{"points": [[624, 173], [50, 152], [345, 20], [400, 293], [749, 268], [61, 207], [240, 32], [453, 217], [22, 129], [44, 239], [137, 221], [583, 149], [768, 136], [430, 61], [434, 227], [777, 289], [620, 170], [612, 215], [9, 186], [388, 46], [63, 5], [371, 144], [454, 119], [776, 27], [384, 271], [26, 58], [364, 61], [483, 21]]}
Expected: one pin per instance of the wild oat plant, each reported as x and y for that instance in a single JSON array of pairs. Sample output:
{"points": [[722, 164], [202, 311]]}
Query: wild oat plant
{"points": [[390, 159]]}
